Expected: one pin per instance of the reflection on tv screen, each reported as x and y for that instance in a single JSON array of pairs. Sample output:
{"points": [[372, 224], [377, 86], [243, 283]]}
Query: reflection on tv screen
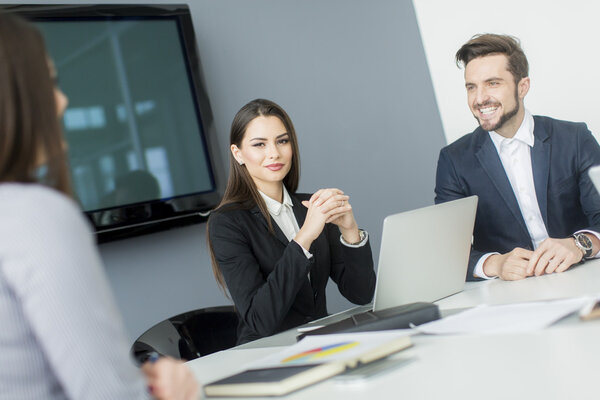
{"points": [[132, 125]]}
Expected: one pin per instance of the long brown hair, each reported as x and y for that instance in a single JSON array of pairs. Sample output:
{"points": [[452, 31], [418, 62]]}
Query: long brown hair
{"points": [[241, 191], [29, 126]]}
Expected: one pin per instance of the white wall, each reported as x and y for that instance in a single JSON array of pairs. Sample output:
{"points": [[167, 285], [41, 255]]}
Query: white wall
{"points": [[558, 37]]}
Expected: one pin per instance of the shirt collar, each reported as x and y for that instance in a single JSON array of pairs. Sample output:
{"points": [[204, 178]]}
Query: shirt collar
{"points": [[274, 206], [524, 133]]}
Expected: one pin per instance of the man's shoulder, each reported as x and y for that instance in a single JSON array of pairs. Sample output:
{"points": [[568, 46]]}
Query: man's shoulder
{"points": [[557, 126], [466, 143]]}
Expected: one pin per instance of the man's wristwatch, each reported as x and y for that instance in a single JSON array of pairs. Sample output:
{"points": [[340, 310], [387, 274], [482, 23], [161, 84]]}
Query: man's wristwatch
{"points": [[584, 243]]}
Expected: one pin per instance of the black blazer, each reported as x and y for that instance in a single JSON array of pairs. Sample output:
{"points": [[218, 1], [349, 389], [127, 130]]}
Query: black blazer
{"points": [[267, 276], [561, 156]]}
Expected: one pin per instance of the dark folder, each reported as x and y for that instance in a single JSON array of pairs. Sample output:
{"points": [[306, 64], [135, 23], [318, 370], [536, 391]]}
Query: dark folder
{"points": [[400, 317]]}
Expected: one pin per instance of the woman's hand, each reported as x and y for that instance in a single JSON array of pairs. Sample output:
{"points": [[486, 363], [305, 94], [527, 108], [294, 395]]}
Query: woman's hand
{"points": [[345, 221], [169, 379], [327, 205]]}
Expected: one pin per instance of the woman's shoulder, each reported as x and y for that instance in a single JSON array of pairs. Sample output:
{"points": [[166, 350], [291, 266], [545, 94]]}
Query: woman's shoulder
{"points": [[37, 204], [230, 213], [35, 197], [230, 209], [39, 219]]}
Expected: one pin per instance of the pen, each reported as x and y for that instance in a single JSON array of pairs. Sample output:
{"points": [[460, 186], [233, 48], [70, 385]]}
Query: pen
{"points": [[153, 357]]}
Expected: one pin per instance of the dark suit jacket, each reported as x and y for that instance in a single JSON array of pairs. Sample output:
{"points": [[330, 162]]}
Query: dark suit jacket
{"points": [[267, 276], [561, 156]]}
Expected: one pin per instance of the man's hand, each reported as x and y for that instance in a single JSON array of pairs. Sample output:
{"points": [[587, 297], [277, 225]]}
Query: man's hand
{"points": [[554, 255], [510, 266]]}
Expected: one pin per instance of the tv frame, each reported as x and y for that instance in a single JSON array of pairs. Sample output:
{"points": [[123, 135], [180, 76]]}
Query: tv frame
{"points": [[140, 217]]}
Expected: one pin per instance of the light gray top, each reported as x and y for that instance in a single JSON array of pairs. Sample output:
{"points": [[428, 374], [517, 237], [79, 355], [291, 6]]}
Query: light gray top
{"points": [[61, 335]]}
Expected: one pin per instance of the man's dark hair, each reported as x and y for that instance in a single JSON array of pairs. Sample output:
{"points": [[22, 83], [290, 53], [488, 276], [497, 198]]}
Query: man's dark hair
{"points": [[489, 44]]}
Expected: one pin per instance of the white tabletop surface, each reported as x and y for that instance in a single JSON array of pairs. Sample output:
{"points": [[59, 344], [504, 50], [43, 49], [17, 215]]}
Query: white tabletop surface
{"points": [[560, 362], [579, 280]]}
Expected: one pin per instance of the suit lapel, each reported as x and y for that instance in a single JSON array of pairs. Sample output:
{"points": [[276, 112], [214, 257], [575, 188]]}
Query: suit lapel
{"points": [[278, 233], [299, 210], [490, 161], [306, 290], [540, 163], [300, 214]]}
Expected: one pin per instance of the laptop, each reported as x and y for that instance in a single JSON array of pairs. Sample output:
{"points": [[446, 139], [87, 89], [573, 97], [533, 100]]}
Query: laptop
{"points": [[424, 253], [424, 257]]}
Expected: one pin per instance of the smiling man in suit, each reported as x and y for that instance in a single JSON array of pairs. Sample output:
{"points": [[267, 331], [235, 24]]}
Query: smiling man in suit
{"points": [[538, 211]]}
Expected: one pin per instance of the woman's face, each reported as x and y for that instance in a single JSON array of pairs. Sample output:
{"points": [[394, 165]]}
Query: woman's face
{"points": [[61, 101], [60, 98], [265, 150]]}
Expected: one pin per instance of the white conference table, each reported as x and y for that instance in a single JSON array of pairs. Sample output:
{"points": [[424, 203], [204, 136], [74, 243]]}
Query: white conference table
{"points": [[559, 362]]}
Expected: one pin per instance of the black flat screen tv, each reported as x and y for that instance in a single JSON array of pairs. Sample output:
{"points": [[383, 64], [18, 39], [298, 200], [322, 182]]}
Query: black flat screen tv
{"points": [[138, 153]]}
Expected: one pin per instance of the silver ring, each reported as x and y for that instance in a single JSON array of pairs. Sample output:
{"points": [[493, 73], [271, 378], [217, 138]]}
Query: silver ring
{"points": [[341, 203]]}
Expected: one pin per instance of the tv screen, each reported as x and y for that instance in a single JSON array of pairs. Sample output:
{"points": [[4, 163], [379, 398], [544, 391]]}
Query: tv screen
{"points": [[137, 149]]}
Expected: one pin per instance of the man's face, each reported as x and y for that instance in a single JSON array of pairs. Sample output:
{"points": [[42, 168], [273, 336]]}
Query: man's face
{"points": [[494, 98]]}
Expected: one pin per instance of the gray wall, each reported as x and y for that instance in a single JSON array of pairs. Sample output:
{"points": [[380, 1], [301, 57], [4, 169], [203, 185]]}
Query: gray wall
{"points": [[354, 79]]}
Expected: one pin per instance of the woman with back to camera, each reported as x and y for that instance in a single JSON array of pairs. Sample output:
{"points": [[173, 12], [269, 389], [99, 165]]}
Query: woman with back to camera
{"points": [[61, 336], [273, 249]]}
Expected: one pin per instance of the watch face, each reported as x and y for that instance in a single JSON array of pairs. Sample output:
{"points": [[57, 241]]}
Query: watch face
{"points": [[584, 241]]}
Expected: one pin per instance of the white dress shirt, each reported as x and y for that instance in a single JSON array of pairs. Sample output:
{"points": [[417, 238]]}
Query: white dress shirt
{"points": [[515, 155], [284, 217]]}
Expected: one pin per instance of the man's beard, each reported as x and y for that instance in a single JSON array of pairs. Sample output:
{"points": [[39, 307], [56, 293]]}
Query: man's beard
{"points": [[505, 117]]}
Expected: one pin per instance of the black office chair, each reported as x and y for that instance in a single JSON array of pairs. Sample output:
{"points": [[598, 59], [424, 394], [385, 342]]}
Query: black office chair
{"points": [[189, 335]]}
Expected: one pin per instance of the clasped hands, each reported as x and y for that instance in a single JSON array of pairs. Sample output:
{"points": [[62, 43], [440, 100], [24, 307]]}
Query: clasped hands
{"points": [[553, 255], [327, 206]]}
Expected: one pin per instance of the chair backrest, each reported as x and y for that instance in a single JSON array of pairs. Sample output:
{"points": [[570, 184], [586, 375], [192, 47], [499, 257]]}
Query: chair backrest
{"points": [[189, 335]]}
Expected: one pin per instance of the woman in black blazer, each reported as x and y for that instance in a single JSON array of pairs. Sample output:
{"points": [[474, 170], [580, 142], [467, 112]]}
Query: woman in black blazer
{"points": [[273, 249]]}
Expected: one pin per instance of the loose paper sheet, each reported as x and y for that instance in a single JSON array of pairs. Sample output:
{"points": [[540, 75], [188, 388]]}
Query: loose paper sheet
{"points": [[509, 318]]}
